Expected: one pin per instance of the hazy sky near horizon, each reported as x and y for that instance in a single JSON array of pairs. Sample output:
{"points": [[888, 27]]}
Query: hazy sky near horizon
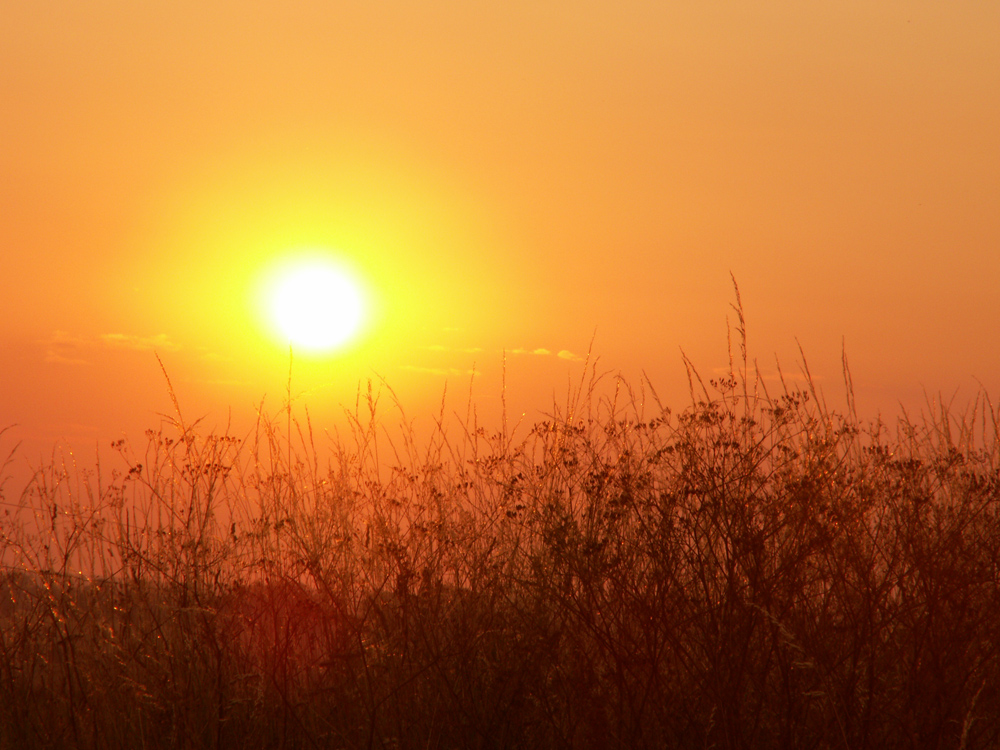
{"points": [[524, 177]]}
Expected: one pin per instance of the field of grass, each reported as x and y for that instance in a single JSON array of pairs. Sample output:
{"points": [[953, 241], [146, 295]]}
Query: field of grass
{"points": [[753, 570]]}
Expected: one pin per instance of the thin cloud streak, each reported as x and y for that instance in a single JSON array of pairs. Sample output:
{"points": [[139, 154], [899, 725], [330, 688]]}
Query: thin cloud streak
{"points": [[138, 343], [66, 349], [565, 354]]}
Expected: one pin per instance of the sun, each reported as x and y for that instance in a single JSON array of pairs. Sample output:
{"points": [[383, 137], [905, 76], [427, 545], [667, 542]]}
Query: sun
{"points": [[316, 305]]}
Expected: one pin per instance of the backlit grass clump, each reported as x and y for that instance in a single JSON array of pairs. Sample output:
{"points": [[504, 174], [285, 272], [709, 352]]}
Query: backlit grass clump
{"points": [[751, 571]]}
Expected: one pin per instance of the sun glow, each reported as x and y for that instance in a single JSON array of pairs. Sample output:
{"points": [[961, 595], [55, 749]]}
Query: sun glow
{"points": [[315, 305]]}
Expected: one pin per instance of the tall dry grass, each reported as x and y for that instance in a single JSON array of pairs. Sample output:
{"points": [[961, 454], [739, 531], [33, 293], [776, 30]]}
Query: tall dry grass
{"points": [[753, 571]]}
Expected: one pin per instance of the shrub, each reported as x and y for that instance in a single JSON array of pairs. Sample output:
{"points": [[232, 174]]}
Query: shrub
{"points": [[752, 571]]}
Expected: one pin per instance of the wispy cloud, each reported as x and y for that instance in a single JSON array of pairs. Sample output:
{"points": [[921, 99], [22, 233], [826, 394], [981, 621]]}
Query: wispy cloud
{"points": [[64, 349], [565, 354], [138, 343], [561, 354], [519, 350], [68, 349], [56, 357]]}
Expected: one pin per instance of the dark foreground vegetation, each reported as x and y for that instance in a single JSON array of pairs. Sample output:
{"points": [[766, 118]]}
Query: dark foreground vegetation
{"points": [[754, 571]]}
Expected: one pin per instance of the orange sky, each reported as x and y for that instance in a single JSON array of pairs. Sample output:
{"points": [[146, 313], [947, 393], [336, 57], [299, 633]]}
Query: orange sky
{"points": [[505, 175]]}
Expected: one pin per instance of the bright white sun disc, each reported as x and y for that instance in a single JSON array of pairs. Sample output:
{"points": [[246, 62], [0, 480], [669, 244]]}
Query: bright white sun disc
{"points": [[317, 306]]}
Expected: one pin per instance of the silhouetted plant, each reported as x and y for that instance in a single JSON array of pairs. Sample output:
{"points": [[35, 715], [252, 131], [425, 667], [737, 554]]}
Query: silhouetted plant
{"points": [[754, 570]]}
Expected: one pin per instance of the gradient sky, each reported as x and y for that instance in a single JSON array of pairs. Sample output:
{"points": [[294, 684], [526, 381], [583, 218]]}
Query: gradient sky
{"points": [[519, 176]]}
